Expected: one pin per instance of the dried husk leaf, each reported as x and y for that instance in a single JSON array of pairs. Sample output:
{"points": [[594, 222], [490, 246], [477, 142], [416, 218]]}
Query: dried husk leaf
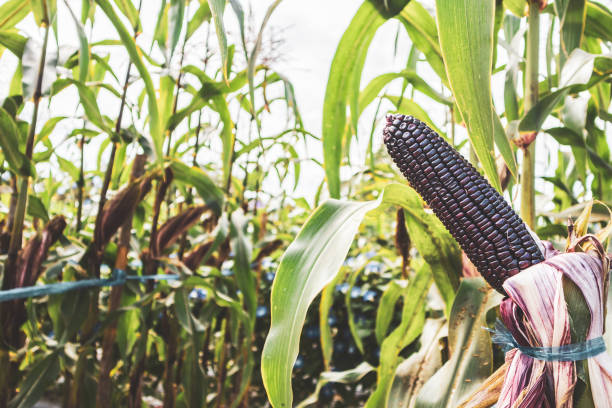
{"points": [[175, 226]]}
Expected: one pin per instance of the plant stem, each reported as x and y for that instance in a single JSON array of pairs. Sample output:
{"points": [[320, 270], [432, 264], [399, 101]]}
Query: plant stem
{"points": [[80, 183], [531, 98], [10, 334], [104, 395]]}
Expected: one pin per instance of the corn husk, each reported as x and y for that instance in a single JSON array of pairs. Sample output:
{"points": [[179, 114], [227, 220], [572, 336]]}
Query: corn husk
{"points": [[537, 316]]}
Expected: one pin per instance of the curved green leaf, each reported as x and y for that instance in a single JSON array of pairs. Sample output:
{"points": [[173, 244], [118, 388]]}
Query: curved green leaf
{"points": [[9, 141], [313, 260], [386, 308], [309, 264], [376, 85], [471, 355], [84, 46], [343, 81], [466, 40], [411, 326], [133, 51], [217, 8], [206, 188], [12, 12]]}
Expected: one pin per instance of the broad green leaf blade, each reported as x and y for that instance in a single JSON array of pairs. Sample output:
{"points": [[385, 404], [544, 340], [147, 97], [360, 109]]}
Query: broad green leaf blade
{"points": [[343, 80], [128, 9], [421, 28], [431, 239], [471, 356], [206, 188], [84, 46], [411, 326], [176, 13], [413, 372], [12, 12], [217, 8], [40, 376], [9, 141], [598, 21], [345, 377], [255, 54], [410, 76], [201, 15], [466, 40], [573, 19], [14, 42], [311, 262], [386, 308], [134, 53]]}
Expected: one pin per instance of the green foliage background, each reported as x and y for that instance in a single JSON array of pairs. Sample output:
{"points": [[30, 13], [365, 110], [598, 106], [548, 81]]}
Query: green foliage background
{"points": [[277, 301]]}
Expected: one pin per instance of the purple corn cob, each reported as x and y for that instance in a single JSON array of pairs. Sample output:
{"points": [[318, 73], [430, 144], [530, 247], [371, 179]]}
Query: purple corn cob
{"points": [[488, 230]]}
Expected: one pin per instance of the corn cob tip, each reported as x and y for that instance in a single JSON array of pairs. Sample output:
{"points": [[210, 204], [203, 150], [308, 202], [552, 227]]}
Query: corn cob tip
{"points": [[491, 234]]}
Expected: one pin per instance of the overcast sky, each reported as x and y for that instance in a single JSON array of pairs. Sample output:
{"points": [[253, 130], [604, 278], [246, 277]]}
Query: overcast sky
{"points": [[311, 31]]}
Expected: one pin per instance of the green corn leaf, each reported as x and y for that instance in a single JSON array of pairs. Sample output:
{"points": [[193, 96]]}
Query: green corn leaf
{"points": [[12, 12], [217, 8], [344, 377], [598, 21], [201, 15], [411, 326], [466, 40], [37, 209], [308, 265], [14, 42], [471, 356], [133, 51], [255, 54], [313, 260], [84, 46], [128, 9], [41, 375], [206, 188], [343, 82], [421, 28], [386, 308], [9, 141], [176, 14]]}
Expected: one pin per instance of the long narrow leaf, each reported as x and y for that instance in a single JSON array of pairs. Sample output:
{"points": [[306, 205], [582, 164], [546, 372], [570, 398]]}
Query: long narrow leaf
{"points": [[466, 40]]}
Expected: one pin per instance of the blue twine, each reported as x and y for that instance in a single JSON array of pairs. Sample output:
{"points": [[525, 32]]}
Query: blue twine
{"points": [[569, 352], [119, 277]]}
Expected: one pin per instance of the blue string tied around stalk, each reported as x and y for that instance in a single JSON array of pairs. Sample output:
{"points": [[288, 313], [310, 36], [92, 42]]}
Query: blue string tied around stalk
{"points": [[118, 277], [568, 352]]}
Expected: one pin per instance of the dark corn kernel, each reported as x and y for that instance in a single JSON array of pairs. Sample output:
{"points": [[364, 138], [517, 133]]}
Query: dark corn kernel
{"points": [[493, 237]]}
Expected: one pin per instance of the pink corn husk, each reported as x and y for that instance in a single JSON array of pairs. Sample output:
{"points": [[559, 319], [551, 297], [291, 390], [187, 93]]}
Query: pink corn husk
{"points": [[536, 314]]}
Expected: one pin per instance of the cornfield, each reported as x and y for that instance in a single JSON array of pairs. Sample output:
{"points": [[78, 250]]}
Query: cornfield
{"points": [[174, 233]]}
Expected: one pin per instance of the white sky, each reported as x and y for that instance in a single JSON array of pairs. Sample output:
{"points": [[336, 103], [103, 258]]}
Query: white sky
{"points": [[311, 30]]}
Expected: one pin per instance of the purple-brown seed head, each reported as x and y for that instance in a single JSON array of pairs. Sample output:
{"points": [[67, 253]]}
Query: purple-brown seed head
{"points": [[492, 235]]}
